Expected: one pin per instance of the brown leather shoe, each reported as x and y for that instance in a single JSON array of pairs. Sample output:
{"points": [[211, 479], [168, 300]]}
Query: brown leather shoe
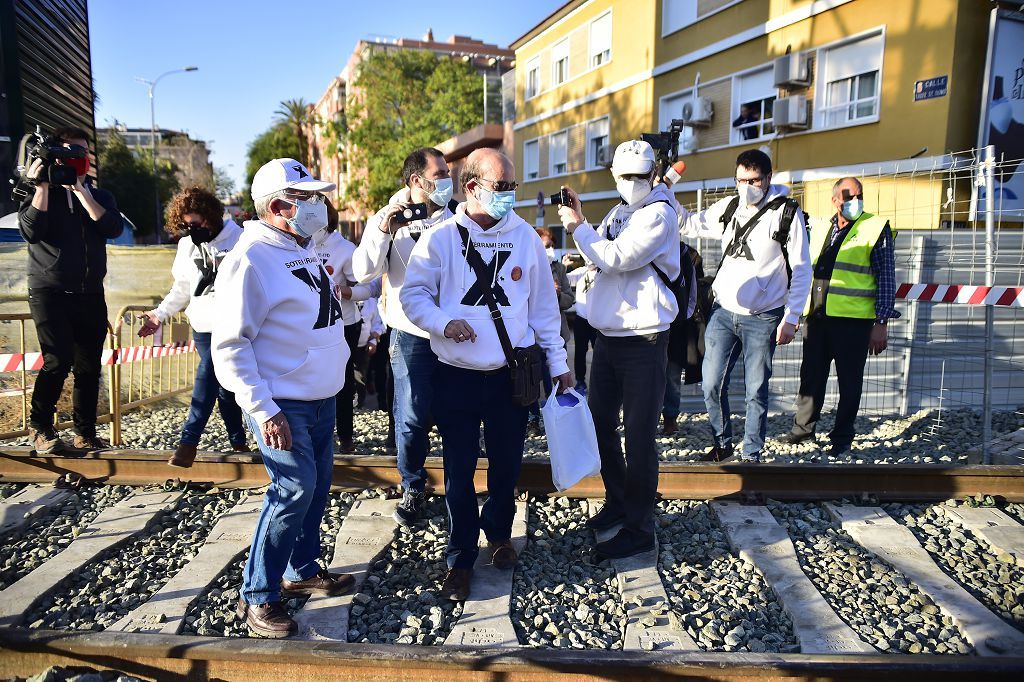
{"points": [[46, 441], [267, 620], [241, 447], [325, 583], [668, 426], [456, 584], [717, 453], [184, 456], [81, 442], [503, 555]]}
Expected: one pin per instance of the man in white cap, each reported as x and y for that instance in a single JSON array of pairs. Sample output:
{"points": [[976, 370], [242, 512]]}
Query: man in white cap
{"points": [[279, 346], [631, 306]]}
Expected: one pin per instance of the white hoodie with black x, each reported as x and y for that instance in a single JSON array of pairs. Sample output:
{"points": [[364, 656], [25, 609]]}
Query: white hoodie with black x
{"points": [[628, 298], [756, 280], [280, 332], [380, 253], [440, 286]]}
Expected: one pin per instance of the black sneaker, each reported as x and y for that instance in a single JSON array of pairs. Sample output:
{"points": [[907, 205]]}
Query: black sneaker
{"points": [[625, 543], [792, 438], [751, 459], [838, 449], [408, 510], [605, 519], [718, 453]]}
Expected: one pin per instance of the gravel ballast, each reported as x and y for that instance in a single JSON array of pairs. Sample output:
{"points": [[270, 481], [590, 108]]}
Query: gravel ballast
{"points": [[8, 489], [24, 550], [213, 612], [128, 574], [992, 577], [723, 602], [560, 597], [877, 601], [399, 602]]}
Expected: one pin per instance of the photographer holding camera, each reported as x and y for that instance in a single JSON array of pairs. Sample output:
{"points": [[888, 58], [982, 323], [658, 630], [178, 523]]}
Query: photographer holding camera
{"points": [[67, 228], [635, 249]]}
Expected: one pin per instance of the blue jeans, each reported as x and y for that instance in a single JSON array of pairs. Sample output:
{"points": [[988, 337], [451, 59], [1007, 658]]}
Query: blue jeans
{"points": [[205, 392], [728, 336], [463, 400], [673, 390], [286, 542], [412, 364]]}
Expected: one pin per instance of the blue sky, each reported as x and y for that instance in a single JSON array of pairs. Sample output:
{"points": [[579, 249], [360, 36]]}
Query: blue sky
{"points": [[253, 54]]}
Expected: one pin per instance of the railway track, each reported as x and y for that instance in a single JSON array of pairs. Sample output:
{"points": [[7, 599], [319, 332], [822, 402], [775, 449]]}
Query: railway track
{"points": [[833, 578]]}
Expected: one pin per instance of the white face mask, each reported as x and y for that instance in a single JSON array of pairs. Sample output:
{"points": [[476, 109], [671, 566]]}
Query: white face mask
{"points": [[309, 217], [852, 209], [550, 250], [633, 191], [442, 192], [750, 195]]}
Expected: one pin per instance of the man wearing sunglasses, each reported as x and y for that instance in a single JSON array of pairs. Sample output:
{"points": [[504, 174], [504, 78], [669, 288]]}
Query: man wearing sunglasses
{"points": [[279, 346], [67, 229], [852, 300], [760, 289]]}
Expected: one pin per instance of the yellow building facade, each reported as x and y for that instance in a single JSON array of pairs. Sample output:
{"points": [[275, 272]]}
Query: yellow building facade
{"points": [[828, 88]]}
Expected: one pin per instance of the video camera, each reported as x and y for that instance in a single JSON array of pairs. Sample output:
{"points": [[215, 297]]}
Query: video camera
{"points": [[37, 146], [665, 144]]}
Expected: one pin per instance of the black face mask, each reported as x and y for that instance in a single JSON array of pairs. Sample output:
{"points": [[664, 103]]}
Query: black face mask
{"points": [[200, 234]]}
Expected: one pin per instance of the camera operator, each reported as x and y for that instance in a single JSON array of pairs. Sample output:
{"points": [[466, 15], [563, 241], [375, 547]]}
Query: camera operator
{"points": [[385, 249], [67, 228], [631, 308]]}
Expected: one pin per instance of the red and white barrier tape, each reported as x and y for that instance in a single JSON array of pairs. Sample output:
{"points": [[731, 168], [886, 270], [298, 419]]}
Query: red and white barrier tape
{"points": [[1012, 297], [12, 362]]}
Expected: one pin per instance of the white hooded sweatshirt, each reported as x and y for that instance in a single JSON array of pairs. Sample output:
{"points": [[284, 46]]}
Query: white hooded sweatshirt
{"points": [[380, 254], [440, 286], [336, 254], [279, 332], [748, 287], [195, 270], [628, 298]]}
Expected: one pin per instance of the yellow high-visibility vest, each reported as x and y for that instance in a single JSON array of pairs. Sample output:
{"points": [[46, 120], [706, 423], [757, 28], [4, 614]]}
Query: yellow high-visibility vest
{"points": [[851, 290]]}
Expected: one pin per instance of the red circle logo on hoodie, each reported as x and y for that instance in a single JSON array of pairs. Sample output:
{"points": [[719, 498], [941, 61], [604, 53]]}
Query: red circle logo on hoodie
{"points": [[330, 269], [517, 273]]}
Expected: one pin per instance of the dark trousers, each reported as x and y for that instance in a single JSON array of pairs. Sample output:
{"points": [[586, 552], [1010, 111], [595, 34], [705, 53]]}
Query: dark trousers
{"points": [[629, 373], [584, 335], [463, 400], [71, 328], [205, 392], [844, 341], [345, 398]]}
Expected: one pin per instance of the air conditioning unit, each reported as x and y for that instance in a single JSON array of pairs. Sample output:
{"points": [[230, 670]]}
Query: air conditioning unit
{"points": [[698, 112], [604, 157], [791, 113], [792, 71]]}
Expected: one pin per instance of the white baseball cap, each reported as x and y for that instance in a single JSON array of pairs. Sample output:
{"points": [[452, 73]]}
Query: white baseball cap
{"points": [[273, 176], [633, 157]]}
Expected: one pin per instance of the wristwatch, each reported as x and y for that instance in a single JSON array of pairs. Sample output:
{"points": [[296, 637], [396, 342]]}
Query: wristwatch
{"points": [[882, 321]]}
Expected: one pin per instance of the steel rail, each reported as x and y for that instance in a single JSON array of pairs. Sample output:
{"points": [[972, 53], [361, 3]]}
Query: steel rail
{"points": [[174, 658], [676, 479]]}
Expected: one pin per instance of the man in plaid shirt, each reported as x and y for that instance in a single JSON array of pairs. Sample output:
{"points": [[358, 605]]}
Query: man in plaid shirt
{"points": [[852, 299]]}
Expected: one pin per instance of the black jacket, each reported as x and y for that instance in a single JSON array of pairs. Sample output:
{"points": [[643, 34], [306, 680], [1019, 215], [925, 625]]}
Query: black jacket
{"points": [[67, 250]]}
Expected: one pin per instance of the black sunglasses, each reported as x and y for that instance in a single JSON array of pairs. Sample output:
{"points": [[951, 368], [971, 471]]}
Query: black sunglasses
{"points": [[502, 185], [191, 226]]}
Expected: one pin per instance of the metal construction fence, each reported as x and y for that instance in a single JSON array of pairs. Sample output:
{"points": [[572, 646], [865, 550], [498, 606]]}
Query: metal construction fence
{"points": [[959, 342], [138, 371]]}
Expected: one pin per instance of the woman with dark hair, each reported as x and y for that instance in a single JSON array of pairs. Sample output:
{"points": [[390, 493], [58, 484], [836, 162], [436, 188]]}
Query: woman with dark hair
{"points": [[196, 218]]}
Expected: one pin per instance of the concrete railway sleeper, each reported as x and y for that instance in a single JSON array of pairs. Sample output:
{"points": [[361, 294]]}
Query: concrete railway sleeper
{"points": [[791, 590]]}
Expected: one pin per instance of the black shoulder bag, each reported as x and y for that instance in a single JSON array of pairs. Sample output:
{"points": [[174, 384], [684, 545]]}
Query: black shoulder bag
{"points": [[526, 364]]}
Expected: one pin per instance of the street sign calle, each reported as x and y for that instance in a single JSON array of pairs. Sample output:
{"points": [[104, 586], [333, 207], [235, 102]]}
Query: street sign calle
{"points": [[931, 88]]}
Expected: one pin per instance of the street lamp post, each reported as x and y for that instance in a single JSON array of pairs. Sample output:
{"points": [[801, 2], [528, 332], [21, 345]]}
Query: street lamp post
{"points": [[152, 138]]}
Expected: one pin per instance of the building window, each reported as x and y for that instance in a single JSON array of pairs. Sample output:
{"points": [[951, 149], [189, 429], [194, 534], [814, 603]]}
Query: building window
{"points": [[531, 159], [851, 73], [753, 97], [560, 62], [532, 78], [597, 140], [601, 40], [677, 14], [558, 150]]}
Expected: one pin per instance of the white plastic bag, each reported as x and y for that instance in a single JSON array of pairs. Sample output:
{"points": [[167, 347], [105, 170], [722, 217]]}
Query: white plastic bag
{"points": [[572, 440]]}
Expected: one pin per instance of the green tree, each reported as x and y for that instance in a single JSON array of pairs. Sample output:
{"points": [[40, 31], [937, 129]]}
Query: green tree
{"points": [[224, 184], [128, 175], [403, 100], [276, 142], [296, 114]]}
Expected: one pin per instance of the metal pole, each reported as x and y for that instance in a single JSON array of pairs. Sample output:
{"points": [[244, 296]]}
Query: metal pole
{"points": [[152, 152], [990, 276], [485, 96]]}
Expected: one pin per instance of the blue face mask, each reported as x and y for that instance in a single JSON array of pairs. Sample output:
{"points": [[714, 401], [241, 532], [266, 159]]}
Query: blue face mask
{"points": [[852, 209], [442, 193], [496, 204]]}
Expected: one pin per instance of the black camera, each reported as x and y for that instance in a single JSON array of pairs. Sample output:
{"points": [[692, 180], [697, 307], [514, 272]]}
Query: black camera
{"points": [[561, 198], [36, 146], [665, 144], [410, 213]]}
